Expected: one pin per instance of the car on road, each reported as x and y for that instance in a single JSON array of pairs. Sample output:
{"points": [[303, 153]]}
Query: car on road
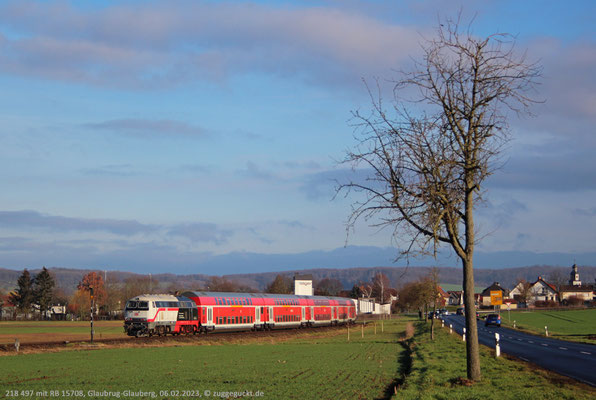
{"points": [[492, 319], [460, 311]]}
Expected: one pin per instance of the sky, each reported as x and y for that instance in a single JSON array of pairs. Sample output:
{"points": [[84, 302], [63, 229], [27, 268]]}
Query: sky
{"points": [[151, 135]]}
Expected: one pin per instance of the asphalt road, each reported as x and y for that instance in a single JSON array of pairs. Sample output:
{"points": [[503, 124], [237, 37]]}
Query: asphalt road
{"points": [[576, 360]]}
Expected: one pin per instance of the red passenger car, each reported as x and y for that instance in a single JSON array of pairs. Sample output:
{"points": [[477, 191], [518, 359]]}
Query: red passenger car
{"points": [[245, 311]]}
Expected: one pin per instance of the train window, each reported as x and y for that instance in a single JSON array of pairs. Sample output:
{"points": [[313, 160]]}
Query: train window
{"points": [[131, 305], [143, 305]]}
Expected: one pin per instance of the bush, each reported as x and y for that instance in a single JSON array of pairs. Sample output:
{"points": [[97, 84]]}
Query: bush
{"points": [[545, 303], [574, 301]]}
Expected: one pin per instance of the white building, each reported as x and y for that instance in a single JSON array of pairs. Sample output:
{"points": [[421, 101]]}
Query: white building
{"points": [[303, 285], [369, 306], [537, 291]]}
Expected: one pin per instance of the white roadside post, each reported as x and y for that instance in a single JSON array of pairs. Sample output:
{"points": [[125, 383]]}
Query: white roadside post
{"points": [[464, 335], [450, 328], [513, 324], [442, 324], [546, 330], [497, 345]]}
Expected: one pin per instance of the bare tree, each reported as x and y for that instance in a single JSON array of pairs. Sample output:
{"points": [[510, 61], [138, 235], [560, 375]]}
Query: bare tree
{"points": [[281, 284], [328, 287], [525, 290], [427, 158], [557, 278], [366, 288], [381, 286]]}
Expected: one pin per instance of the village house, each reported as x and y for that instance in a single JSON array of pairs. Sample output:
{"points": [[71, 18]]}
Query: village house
{"points": [[538, 291], [485, 301], [7, 309], [456, 297]]}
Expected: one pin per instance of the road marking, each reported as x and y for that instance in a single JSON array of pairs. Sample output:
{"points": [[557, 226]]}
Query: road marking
{"points": [[525, 359], [585, 352], [563, 348], [529, 341], [544, 344], [519, 340]]}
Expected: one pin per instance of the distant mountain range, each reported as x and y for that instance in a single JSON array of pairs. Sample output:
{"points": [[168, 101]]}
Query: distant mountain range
{"points": [[340, 258], [368, 256]]}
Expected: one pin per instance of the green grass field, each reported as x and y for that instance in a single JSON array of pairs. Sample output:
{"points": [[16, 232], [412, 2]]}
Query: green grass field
{"points": [[312, 366], [49, 327], [57, 331], [438, 368], [575, 325]]}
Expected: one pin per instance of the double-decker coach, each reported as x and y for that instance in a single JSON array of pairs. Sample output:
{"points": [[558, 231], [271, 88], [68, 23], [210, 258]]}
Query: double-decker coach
{"points": [[243, 311]]}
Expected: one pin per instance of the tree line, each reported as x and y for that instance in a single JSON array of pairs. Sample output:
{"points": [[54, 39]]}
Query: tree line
{"points": [[35, 295]]}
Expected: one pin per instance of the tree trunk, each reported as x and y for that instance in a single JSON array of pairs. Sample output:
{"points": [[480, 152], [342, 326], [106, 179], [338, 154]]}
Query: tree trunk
{"points": [[472, 347], [432, 324]]}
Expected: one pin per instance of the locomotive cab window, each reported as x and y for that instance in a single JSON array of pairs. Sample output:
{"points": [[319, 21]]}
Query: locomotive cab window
{"points": [[131, 305]]}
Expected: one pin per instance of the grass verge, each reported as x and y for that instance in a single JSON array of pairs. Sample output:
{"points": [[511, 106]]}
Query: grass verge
{"points": [[438, 371]]}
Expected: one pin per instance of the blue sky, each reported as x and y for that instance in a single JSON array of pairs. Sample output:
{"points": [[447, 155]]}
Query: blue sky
{"points": [[164, 133]]}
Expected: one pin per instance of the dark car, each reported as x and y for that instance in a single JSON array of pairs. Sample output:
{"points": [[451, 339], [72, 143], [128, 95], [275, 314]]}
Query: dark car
{"points": [[460, 311], [492, 319]]}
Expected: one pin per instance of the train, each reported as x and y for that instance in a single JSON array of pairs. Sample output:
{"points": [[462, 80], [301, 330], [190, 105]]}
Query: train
{"points": [[202, 312]]}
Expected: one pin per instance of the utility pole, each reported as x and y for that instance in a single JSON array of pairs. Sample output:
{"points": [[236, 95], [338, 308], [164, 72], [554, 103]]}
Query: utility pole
{"points": [[92, 309]]}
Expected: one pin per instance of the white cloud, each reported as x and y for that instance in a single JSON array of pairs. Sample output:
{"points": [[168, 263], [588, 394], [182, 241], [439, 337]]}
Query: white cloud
{"points": [[161, 45]]}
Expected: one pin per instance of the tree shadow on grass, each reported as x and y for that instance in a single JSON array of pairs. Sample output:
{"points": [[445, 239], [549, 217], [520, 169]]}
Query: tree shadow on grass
{"points": [[404, 362]]}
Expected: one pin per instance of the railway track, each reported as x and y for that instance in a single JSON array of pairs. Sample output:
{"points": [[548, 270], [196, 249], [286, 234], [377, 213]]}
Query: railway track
{"points": [[215, 337]]}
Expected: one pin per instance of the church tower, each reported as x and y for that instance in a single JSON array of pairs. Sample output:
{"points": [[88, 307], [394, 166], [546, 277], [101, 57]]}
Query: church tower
{"points": [[574, 277]]}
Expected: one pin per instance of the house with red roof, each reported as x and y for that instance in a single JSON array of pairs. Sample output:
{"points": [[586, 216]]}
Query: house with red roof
{"points": [[7, 309], [537, 291]]}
